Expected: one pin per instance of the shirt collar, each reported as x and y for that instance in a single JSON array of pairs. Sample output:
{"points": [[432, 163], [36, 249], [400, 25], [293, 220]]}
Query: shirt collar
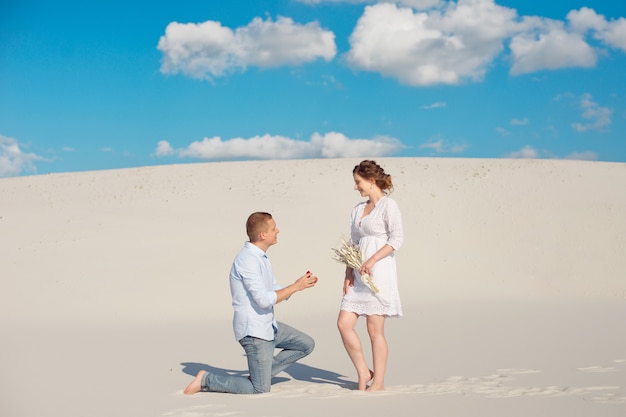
{"points": [[255, 249]]}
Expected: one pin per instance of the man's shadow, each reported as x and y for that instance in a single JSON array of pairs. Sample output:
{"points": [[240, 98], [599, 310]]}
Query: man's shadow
{"points": [[297, 371]]}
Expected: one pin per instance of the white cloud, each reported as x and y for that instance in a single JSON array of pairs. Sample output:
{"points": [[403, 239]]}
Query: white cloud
{"points": [[597, 116], [436, 105], [546, 44], [208, 50], [550, 44], [585, 19], [417, 42], [13, 161], [612, 33], [527, 152], [519, 122], [164, 148], [442, 46], [615, 34], [451, 42], [416, 4], [330, 145], [502, 131], [440, 146], [583, 156]]}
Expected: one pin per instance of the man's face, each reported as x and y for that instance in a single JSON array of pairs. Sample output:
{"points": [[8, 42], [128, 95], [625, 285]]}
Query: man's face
{"points": [[271, 235]]}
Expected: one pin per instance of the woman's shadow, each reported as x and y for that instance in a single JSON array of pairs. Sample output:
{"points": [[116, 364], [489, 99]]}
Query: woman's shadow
{"points": [[297, 371]]}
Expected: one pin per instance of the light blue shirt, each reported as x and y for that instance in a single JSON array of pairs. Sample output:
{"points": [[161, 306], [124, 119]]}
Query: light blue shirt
{"points": [[253, 288]]}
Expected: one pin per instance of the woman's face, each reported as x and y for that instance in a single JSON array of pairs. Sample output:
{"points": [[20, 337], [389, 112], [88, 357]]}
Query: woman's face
{"points": [[362, 185]]}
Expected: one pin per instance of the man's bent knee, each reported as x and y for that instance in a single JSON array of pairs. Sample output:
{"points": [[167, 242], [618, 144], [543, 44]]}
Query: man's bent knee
{"points": [[310, 345]]}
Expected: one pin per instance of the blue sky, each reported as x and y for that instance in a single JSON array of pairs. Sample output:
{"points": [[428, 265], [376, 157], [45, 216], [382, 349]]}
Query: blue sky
{"points": [[115, 84]]}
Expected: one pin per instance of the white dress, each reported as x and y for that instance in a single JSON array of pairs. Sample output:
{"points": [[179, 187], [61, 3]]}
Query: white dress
{"points": [[383, 225]]}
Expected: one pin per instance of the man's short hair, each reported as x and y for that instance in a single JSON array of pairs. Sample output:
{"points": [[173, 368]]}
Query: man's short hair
{"points": [[257, 222]]}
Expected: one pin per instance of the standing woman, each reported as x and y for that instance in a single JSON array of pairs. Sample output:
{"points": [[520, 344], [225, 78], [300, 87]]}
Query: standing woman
{"points": [[376, 226]]}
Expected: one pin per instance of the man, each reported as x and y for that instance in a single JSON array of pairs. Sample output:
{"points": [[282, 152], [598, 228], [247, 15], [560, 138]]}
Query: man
{"points": [[254, 292]]}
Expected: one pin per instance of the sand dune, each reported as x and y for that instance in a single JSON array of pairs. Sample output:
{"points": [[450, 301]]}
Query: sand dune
{"points": [[114, 288]]}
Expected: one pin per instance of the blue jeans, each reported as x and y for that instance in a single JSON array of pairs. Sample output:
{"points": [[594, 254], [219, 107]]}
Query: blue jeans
{"points": [[262, 363]]}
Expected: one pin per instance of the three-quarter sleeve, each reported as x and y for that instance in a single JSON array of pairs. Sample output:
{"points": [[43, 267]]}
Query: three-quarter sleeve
{"points": [[393, 223]]}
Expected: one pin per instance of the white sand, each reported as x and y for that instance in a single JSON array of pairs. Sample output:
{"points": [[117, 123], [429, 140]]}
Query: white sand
{"points": [[114, 289]]}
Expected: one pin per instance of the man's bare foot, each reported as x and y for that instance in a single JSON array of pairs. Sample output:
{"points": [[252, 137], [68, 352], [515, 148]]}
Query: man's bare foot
{"points": [[365, 380], [195, 386]]}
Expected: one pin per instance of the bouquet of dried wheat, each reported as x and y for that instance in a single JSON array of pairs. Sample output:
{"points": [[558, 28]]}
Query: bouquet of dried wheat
{"points": [[351, 255]]}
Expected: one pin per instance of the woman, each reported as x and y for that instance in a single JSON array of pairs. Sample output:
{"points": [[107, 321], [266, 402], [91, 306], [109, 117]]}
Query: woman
{"points": [[376, 226]]}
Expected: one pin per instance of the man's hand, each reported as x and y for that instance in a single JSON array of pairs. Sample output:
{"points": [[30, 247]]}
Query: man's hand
{"points": [[307, 280]]}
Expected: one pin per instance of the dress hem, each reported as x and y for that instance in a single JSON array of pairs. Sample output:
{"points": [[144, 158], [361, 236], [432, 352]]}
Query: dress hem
{"points": [[361, 313]]}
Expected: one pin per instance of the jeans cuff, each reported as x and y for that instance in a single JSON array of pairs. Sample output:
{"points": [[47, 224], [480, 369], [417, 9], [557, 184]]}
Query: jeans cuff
{"points": [[204, 384]]}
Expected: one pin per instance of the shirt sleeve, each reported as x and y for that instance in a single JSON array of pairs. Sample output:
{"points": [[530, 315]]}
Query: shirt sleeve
{"points": [[254, 282]]}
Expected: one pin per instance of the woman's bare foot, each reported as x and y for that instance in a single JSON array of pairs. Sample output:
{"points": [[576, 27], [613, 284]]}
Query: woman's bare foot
{"points": [[195, 386], [365, 380], [375, 387]]}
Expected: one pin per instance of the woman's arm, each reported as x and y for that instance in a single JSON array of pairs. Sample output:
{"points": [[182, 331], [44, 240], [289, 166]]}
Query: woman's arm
{"points": [[368, 265], [348, 280]]}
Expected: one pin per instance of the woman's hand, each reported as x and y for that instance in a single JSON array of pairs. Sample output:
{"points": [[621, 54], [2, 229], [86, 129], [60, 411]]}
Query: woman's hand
{"points": [[367, 266], [348, 280]]}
